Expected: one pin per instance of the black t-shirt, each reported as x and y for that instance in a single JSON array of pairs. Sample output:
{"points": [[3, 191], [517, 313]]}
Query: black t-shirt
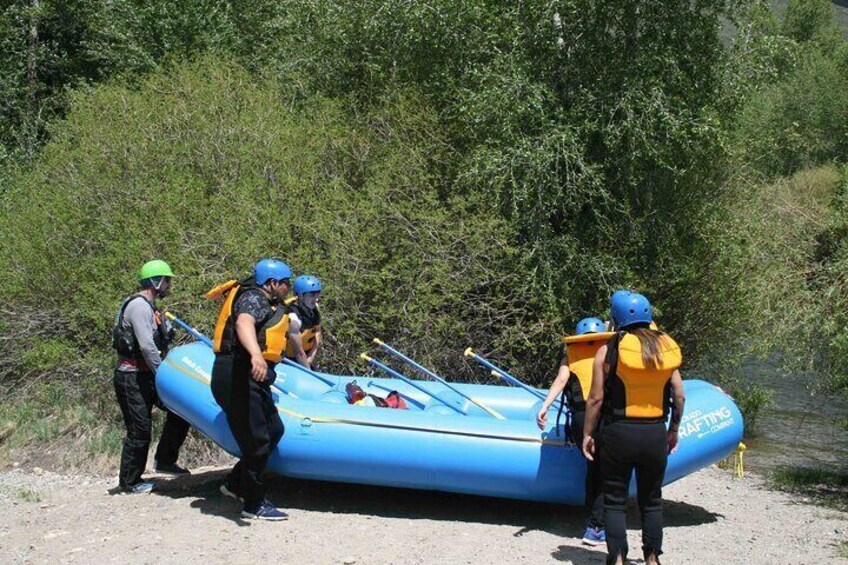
{"points": [[252, 302], [255, 303]]}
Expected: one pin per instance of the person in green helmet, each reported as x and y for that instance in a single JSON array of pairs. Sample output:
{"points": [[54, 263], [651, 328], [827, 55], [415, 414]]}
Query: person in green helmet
{"points": [[141, 336]]}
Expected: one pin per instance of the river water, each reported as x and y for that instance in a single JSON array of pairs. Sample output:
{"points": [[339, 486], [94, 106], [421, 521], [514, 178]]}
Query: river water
{"points": [[800, 429]]}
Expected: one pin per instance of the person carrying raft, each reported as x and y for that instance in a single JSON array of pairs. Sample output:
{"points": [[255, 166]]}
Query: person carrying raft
{"points": [[573, 382], [250, 339], [141, 337], [304, 321], [635, 383]]}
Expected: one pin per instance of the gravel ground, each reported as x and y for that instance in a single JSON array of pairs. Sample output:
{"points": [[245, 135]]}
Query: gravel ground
{"points": [[54, 518]]}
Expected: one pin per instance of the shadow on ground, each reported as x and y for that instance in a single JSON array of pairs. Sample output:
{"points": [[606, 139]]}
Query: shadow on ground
{"points": [[385, 502], [579, 555]]}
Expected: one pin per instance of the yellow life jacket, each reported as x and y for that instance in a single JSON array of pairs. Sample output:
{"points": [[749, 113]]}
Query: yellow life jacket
{"points": [[581, 350], [634, 391], [310, 326], [272, 333]]}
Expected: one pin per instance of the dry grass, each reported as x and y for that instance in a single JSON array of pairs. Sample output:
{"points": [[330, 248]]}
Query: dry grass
{"points": [[79, 436], [29, 495]]}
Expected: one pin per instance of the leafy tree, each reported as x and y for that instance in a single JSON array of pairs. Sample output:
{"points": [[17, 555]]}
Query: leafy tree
{"points": [[209, 169]]}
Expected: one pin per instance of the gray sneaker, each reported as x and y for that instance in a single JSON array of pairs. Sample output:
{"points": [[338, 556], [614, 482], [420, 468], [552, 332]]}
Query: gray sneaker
{"points": [[265, 510], [139, 488]]}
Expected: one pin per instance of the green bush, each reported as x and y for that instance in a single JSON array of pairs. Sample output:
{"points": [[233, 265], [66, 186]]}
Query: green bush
{"points": [[801, 121], [210, 169], [48, 355], [457, 173], [788, 251], [752, 399]]}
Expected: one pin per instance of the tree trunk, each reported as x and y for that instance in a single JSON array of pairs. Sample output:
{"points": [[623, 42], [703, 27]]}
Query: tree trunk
{"points": [[31, 127]]}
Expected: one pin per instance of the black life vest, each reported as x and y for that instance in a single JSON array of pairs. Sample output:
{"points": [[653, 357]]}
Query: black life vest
{"points": [[124, 340], [310, 326], [271, 333], [633, 391]]}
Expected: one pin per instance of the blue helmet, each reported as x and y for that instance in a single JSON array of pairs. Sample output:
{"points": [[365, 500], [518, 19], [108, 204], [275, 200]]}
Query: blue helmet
{"points": [[616, 301], [630, 309], [268, 269], [590, 326], [307, 283], [619, 295]]}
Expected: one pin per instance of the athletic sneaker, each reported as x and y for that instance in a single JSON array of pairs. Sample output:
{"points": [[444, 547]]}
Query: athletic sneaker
{"points": [[171, 469], [139, 488], [265, 510], [227, 492], [594, 536]]}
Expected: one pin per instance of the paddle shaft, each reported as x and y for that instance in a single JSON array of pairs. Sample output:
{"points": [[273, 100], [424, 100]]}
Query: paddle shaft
{"points": [[509, 378], [410, 382], [195, 333], [430, 373], [309, 372]]}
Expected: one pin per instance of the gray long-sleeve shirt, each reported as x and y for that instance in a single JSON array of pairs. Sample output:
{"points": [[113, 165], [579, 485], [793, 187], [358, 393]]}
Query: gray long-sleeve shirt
{"points": [[138, 315]]}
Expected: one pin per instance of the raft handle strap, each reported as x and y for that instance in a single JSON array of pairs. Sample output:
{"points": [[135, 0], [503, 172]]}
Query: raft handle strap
{"points": [[738, 460]]}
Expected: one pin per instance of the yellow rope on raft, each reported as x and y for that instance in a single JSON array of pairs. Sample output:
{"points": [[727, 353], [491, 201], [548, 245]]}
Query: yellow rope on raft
{"points": [[739, 461]]}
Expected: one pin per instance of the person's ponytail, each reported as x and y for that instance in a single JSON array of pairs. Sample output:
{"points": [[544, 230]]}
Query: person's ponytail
{"points": [[651, 341]]}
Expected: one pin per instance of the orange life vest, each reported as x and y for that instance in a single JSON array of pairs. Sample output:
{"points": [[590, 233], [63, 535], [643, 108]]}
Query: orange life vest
{"points": [[634, 391], [581, 351], [271, 334]]}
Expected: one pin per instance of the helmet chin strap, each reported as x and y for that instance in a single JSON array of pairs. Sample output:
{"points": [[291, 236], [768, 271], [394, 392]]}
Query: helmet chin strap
{"points": [[157, 287], [270, 287]]}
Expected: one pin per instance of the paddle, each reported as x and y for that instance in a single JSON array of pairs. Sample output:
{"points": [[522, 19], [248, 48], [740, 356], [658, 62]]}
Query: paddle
{"points": [[407, 380], [194, 332], [430, 373], [498, 372], [309, 372]]}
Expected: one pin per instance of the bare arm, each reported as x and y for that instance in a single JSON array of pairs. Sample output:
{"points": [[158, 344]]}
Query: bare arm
{"points": [[246, 332], [297, 341], [594, 402], [679, 400], [676, 410], [556, 389], [314, 351]]}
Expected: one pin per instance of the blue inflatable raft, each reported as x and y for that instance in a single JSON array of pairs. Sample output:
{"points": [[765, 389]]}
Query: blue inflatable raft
{"points": [[430, 445]]}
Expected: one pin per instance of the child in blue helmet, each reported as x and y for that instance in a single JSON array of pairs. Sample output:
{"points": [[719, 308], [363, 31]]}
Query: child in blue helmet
{"points": [[574, 379], [304, 334]]}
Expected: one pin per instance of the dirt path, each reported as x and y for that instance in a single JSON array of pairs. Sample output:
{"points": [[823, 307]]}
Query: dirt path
{"points": [[50, 518]]}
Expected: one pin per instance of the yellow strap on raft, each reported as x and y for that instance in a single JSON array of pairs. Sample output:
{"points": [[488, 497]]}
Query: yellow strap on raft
{"points": [[221, 290], [738, 460]]}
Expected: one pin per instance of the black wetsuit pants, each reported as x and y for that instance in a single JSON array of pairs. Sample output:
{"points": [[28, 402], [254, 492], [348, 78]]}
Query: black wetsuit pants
{"points": [[594, 492], [136, 394], [628, 446], [253, 419]]}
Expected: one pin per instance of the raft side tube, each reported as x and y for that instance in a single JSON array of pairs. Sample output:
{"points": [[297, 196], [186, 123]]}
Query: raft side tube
{"points": [[328, 439]]}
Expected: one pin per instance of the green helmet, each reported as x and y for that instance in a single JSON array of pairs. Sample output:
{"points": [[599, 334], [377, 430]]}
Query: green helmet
{"points": [[155, 268]]}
